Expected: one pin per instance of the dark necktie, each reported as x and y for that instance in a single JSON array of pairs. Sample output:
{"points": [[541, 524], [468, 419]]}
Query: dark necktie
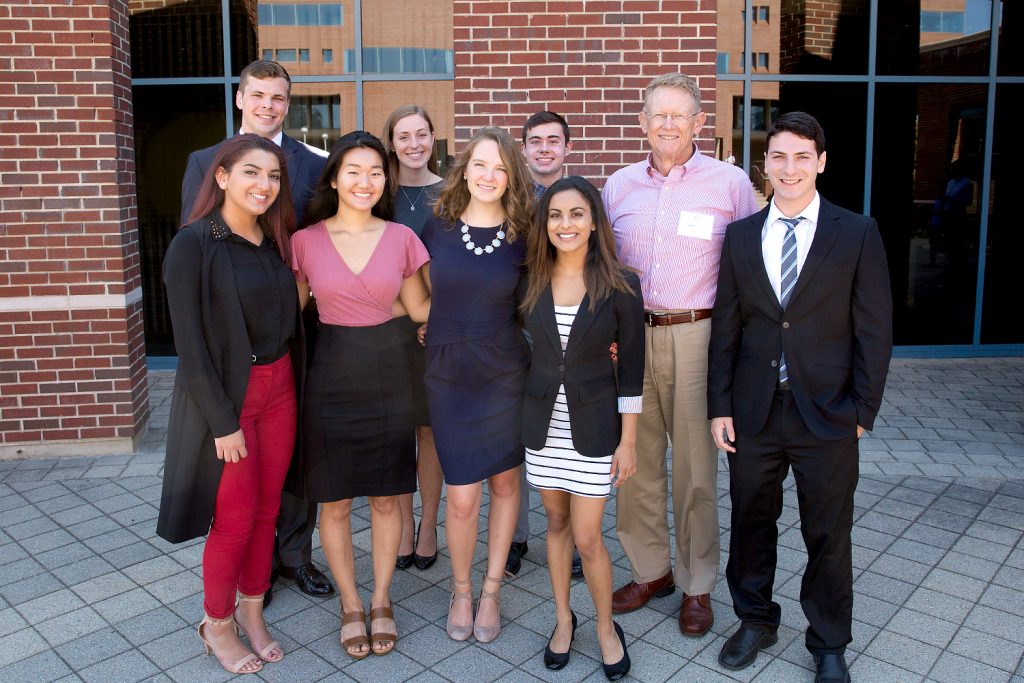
{"points": [[789, 274]]}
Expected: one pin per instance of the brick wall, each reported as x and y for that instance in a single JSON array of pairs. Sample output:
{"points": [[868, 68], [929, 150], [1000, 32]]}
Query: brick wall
{"points": [[588, 60], [72, 364]]}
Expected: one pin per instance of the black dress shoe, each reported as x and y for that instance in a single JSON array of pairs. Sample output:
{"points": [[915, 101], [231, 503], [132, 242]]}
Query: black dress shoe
{"points": [[577, 565], [403, 561], [309, 579], [515, 558], [557, 660], [619, 669], [424, 561], [831, 669], [741, 649]]}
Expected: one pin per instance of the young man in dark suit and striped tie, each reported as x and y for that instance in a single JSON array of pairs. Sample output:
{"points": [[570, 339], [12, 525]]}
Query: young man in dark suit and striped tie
{"points": [[801, 337]]}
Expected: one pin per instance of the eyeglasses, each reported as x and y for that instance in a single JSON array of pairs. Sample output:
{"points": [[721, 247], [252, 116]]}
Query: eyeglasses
{"points": [[661, 118]]}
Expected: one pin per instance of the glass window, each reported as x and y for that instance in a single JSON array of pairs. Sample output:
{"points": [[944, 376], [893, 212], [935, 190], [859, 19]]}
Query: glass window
{"points": [[160, 157], [390, 60], [183, 42], [926, 166], [412, 60], [805, 39], [722, 63], [929, 42], [266, 14], [284, 15], [268, 54], [931, 22], [330, 15], [1011, 56], [762, 14], [327, 55], [286, 56], [303, 55], [307, 15], [762, 60], [1005, 241]]}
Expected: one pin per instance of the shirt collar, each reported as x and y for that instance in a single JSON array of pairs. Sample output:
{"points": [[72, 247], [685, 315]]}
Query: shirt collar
{"points": [[277, 139], [695, 159], [810, 212]]}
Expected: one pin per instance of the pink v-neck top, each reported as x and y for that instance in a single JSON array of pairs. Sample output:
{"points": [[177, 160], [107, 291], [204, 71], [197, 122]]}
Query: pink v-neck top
{"points": [[344, 298]]}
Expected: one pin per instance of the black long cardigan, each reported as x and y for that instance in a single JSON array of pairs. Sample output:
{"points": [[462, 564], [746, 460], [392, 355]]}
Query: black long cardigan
{"points": [[214, 360]]}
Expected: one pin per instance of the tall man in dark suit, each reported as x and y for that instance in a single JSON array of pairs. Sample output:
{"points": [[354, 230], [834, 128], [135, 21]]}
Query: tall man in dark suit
{"points": [[264, 90], [801, 337]]}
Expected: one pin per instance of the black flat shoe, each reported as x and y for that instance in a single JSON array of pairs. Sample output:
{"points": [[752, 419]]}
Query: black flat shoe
{"points": [[424, 561], [403, 561], [619, 669], [557, 660]]}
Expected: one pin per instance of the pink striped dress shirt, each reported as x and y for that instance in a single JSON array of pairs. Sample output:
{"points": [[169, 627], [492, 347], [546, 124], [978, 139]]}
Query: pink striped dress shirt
{"points": [[671, 228]]}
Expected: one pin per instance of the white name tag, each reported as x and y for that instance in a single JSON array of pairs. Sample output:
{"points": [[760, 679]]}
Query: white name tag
{"points": [[697, 225]]}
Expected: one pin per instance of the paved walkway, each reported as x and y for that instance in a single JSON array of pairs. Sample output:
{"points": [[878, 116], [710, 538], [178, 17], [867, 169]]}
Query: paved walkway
{"points": [[88, 592]]}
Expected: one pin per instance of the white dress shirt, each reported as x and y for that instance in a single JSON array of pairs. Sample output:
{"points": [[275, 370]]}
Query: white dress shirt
{"points": [[773, 234]]}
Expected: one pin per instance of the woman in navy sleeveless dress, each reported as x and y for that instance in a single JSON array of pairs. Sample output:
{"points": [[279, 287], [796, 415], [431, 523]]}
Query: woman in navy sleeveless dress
{"points": [[477, 360]]}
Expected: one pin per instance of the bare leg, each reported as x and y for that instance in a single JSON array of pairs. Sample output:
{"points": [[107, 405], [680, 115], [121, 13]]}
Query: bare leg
{"points": [[586, 519], [560, 542], [428, 468], [461, 518], [386, 532], [336, 537], [501, 524], [408, 524]]}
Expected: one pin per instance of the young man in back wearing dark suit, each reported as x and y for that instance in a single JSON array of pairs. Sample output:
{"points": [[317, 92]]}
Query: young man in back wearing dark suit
{"points": [[264, 91], [801, 337]]}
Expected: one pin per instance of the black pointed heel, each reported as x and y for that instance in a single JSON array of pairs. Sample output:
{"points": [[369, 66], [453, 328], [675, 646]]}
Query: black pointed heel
{"points": [[619, 669], [558, 660], [424, 562]]}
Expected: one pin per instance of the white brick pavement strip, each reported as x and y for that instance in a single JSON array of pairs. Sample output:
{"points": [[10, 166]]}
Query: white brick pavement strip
{"points": [[88, 592]]}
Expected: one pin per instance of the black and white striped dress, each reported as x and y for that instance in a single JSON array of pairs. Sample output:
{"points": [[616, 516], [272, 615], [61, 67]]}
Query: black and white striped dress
{"points": [[558, 466]]}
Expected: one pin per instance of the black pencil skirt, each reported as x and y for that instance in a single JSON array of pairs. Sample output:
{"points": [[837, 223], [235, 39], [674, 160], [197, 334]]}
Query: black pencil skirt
{"points": [[357, 417]]}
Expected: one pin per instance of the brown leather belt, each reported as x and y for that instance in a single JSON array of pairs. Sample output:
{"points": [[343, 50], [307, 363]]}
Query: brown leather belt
{"points": [[662, 319]]}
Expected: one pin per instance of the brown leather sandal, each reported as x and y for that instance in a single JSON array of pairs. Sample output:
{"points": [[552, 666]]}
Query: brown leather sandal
{"points": [[354, 641], [382, 635]]}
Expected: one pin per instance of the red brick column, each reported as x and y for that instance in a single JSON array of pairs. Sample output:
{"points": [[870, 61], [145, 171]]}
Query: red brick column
{"points": [[72, 361], [587, 60]]}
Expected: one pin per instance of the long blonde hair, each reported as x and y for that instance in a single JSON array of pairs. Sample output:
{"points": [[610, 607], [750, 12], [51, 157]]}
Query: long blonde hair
{"points": [[517, 202]]}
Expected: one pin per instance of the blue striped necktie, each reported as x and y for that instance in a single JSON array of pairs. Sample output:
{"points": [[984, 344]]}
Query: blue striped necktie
{"points": [[788, 277]]}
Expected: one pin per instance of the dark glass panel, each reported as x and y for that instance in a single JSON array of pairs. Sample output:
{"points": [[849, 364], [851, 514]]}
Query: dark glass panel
{"points": [[183, 39], [197, 118], [804, 37], [1011, 34], [928, 156], [1000, 323], [928, 38]]}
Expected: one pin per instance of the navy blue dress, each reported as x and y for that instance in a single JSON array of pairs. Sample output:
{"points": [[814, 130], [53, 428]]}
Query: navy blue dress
{"points": [[477, 357]]}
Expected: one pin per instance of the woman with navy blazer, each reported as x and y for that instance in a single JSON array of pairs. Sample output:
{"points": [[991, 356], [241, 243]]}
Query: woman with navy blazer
{"points": [[581, 408]]}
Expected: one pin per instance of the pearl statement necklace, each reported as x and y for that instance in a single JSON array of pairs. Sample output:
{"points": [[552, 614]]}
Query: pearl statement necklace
{"points": [[471, 246]]}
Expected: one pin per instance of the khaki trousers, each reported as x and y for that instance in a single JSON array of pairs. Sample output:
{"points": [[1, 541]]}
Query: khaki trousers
{"points": [[674, 407]]}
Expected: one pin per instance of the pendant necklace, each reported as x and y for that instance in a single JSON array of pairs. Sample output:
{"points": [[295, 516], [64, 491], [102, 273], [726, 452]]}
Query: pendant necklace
{"points": [[471, 245], [412, 202]]}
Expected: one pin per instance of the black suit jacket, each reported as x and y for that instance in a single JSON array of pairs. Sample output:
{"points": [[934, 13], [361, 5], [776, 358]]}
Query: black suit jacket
{"points": [[304, 170], [592, 384], [836, 330]]}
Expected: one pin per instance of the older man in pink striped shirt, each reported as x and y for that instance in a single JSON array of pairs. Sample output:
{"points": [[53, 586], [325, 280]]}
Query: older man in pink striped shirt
{"points": [[669, 214]]}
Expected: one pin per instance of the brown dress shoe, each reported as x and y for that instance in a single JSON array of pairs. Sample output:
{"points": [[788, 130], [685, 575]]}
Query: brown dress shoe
{"points": [[635, 595], [696, 615]]}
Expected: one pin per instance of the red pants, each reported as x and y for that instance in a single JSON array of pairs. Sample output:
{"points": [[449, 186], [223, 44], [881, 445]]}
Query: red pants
{"points": [[238, 550]]}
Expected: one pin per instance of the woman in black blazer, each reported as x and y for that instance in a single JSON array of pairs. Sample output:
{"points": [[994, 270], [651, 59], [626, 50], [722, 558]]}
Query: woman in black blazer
{"points": [[235, 311], [580, 410]]}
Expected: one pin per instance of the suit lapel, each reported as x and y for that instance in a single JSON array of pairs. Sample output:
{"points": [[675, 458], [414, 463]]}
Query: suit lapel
{"points": [[751, 242], [825, 234], [546, 310], [582, 323]]}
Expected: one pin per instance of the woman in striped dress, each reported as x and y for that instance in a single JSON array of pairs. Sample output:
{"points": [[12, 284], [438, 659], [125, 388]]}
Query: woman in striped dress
{"points": [[581, 409]]}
